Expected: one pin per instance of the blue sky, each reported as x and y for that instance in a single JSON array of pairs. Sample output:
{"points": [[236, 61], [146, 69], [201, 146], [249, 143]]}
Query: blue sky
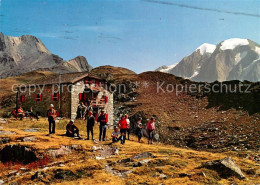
{"points": [[137, 34]]}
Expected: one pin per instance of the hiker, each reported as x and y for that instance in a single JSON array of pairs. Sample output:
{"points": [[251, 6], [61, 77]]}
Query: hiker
{"points": [[139, 129], [115, 135], [90, 108], [20, 113], [30, 113], [72, 129], [151, 130], [123, 127], [90, 124], [81, 112], [128, 125], [102, 125], [51, 118]]}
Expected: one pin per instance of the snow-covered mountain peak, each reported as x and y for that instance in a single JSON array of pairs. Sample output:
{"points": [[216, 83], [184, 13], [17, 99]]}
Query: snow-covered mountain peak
{"points": [[206, 48], [233, 43]]}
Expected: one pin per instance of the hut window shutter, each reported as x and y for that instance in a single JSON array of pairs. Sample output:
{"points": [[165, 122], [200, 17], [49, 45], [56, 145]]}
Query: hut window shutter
{"points": [[80, 95], [35, 99], [106, 117], [22, 98], [55, 96]]}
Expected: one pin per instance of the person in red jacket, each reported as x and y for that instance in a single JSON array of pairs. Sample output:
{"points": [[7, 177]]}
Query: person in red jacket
{"points": [[151, 130], [20, 113], [123, 128]]}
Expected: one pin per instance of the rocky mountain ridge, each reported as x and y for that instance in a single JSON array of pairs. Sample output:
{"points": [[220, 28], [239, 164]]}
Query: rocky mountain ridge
{"points": [[232, 59], [26, 53]]}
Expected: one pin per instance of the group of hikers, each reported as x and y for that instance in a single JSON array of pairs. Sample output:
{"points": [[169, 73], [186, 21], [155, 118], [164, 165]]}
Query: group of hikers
{"points": [[20, 113], [120, 133]]}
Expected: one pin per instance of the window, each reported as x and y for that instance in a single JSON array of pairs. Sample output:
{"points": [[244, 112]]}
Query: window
{"points": [[38, 97], [82, 96], [87, 81], [55, 96], [22, 98]]}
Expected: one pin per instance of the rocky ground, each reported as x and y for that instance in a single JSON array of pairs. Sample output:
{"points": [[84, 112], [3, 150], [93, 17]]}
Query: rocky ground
{"points": [[56, 159]]}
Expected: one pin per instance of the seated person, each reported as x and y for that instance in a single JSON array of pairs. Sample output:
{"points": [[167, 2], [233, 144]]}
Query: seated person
{"points": [[115, 135], [30, 113], [72, 129], [20, 113]]}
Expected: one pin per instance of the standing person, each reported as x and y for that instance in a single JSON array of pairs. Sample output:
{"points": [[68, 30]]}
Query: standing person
{"points": [[51, 118], [139, 129], [90, 124], [81, 110], [128, 125], [102, 125], [72, 129], [90, 108], [151, 130], [123, 127]]}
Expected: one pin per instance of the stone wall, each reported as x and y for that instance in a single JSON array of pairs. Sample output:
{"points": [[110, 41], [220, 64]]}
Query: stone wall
{"points": [[79, 88], [109, 108], [43, 106], [75, 90]]}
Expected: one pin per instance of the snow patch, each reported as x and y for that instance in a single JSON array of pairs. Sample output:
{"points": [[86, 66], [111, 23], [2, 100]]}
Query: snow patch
{"points": [[233, 43], [194, 74], [206, 48], [257, 50], [168, 68], [237, 58]]}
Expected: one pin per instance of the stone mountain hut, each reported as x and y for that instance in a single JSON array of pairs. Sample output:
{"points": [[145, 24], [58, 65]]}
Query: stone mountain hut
{"points": [[65, 92]]}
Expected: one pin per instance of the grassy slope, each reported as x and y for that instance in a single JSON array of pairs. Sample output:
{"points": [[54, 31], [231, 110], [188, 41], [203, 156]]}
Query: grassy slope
{"points": [[169, 160]]}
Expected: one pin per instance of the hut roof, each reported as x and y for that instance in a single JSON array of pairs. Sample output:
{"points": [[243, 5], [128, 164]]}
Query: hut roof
{"points": [[67, 78]]}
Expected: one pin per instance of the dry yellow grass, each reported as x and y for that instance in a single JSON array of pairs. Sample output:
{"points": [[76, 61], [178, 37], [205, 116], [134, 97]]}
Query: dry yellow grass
{"points": [[169, 160]]}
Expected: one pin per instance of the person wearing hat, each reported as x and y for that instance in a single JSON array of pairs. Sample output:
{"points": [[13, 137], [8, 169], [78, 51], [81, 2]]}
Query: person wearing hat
{"points": [[90, 124], [102, 125], [72, 129], [51, 118]]}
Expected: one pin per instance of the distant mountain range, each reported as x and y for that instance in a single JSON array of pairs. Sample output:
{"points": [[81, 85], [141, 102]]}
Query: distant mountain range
{"points": [[232, 59], [19, 55]]}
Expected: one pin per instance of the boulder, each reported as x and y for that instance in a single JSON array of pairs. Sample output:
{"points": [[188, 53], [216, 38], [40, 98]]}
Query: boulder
{"points": [[4, 132], [225, 167], [143, 155], [29, 139], [59, 152], [32, 130], [4, 140]]}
